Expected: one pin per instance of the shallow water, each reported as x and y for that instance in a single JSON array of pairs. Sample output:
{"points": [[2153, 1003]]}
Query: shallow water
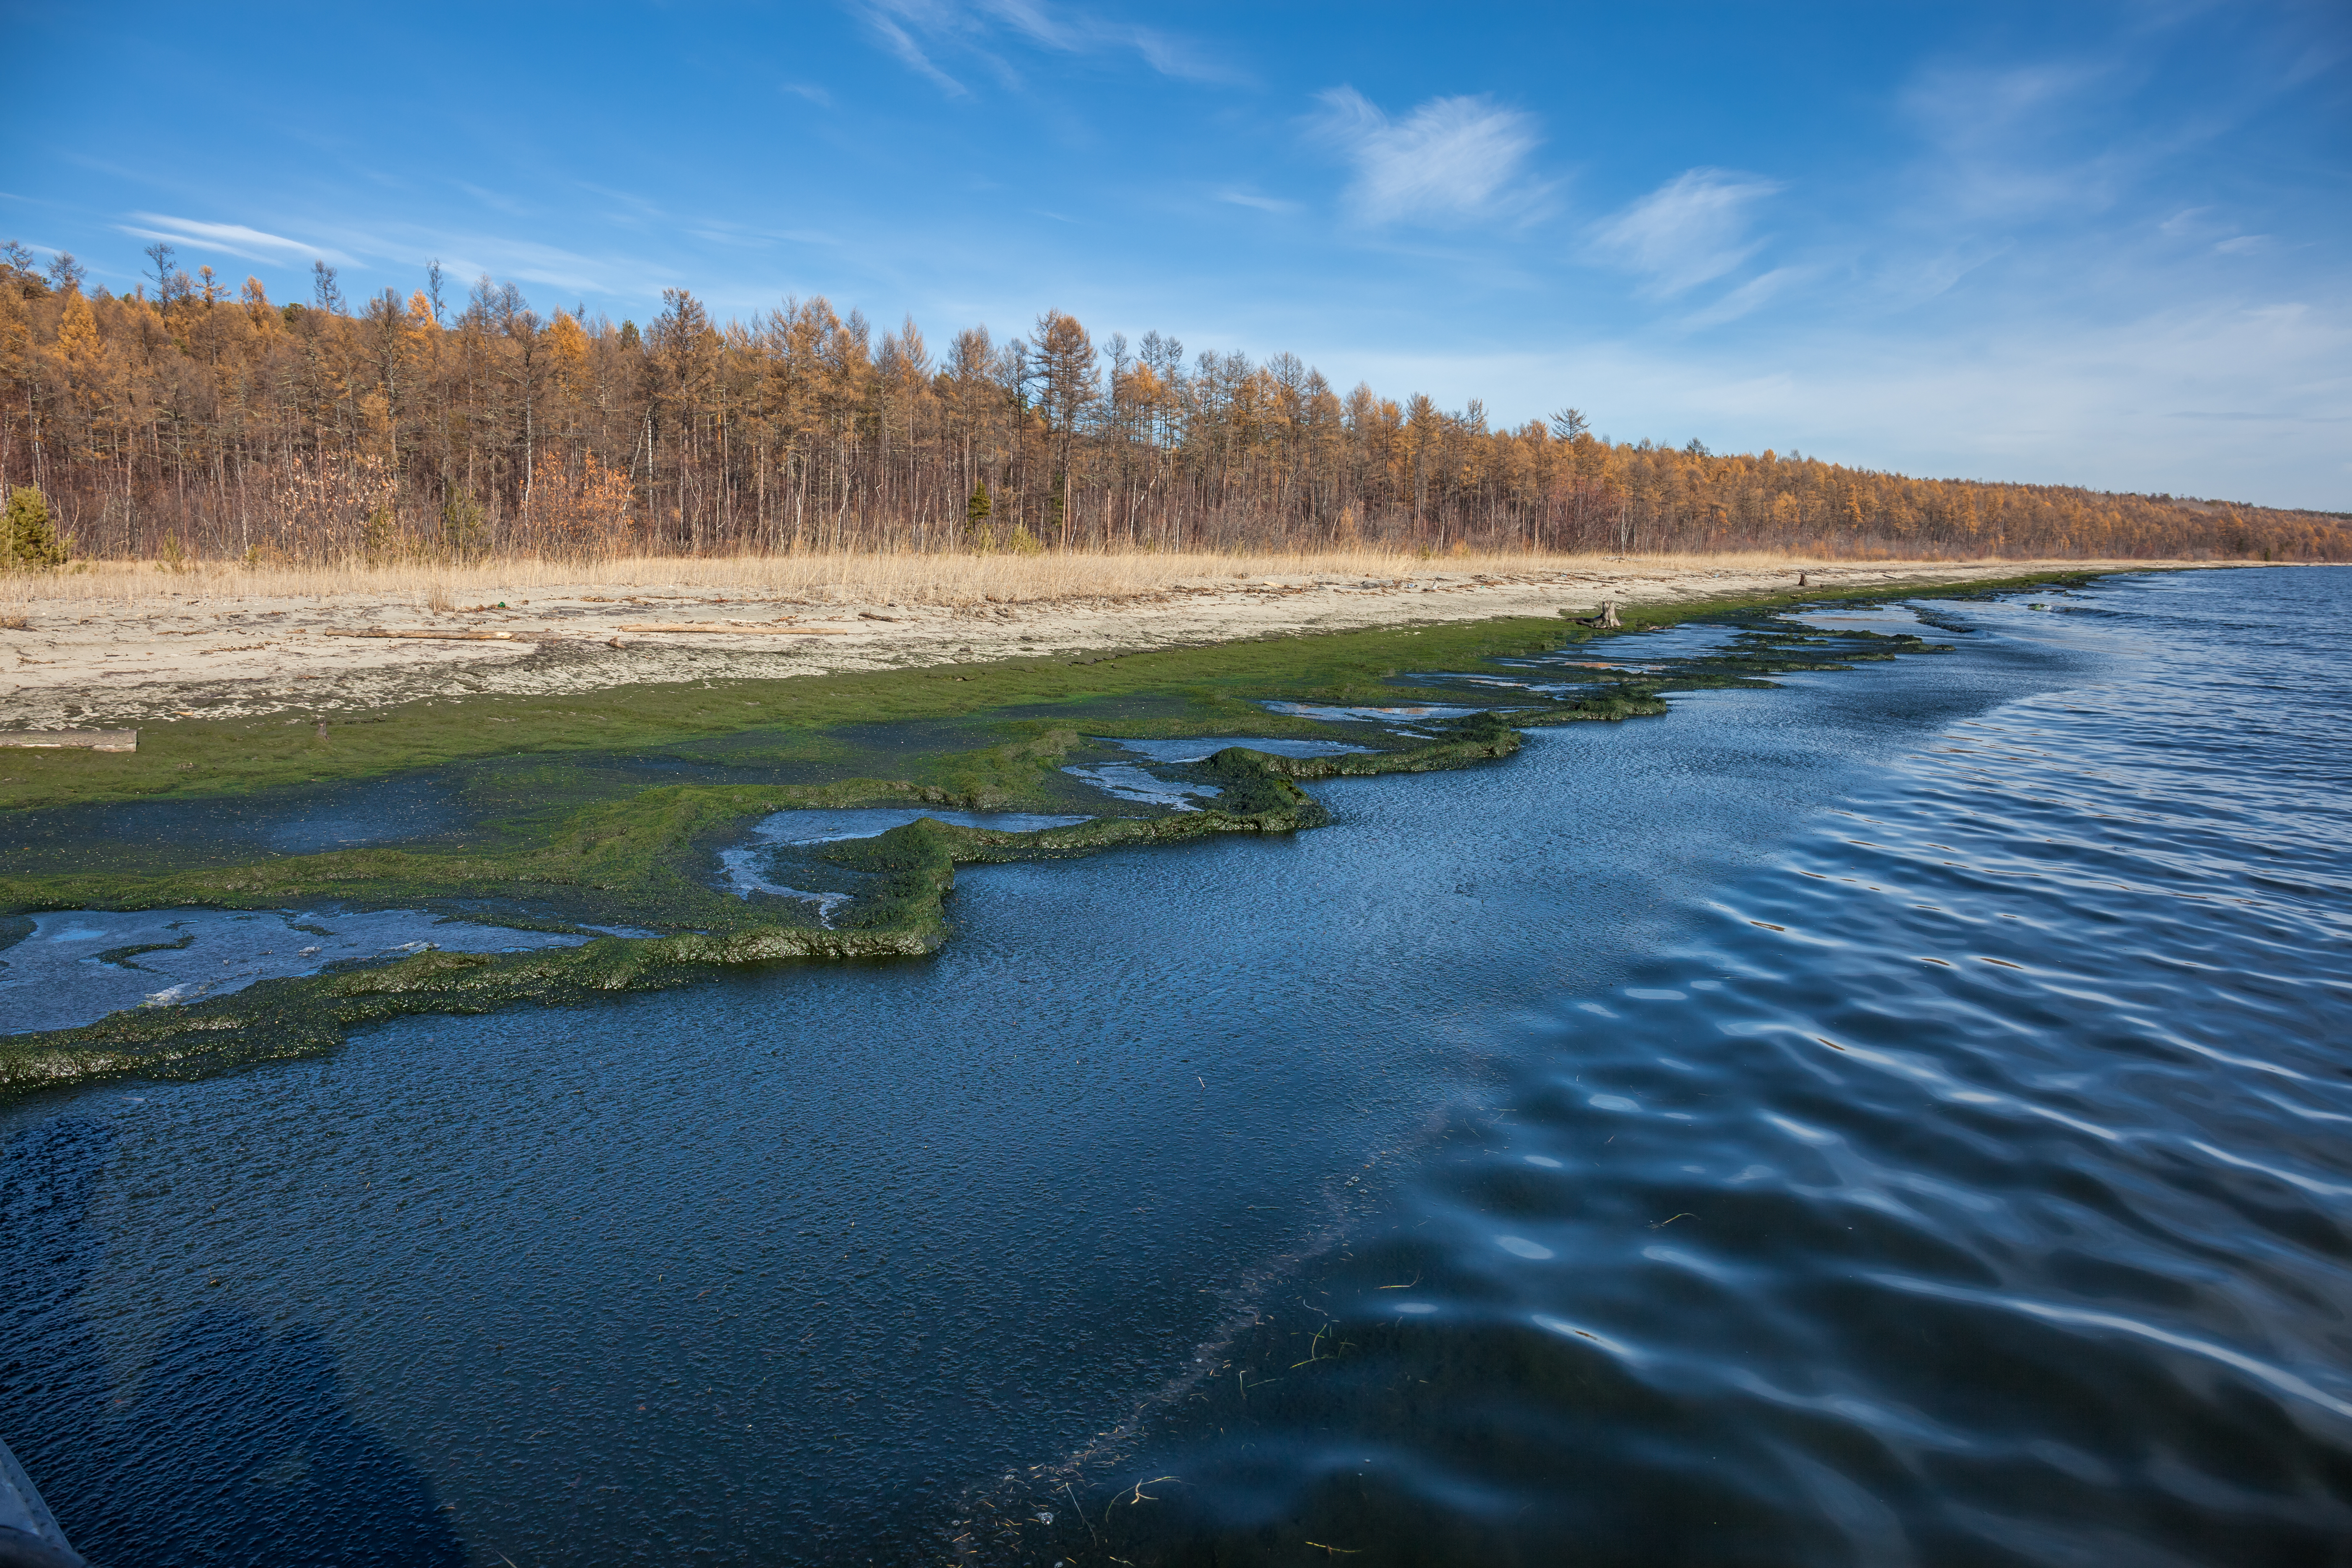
{"points": [[1135, 782], [1896, 1119], [1398, 718], [818, 825], [765, 862], [78, 965], [1200, 748]]}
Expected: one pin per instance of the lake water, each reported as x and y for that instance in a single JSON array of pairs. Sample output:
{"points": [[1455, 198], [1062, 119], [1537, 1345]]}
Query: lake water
{"points": [[1899, 1118]]}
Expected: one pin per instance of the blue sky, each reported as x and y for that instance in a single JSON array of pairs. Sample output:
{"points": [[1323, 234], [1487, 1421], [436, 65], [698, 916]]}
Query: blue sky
{"points": [[2070, 243]]}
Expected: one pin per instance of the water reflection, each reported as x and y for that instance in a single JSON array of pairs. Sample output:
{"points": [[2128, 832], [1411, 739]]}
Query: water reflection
{"points": [[231, 1444]]}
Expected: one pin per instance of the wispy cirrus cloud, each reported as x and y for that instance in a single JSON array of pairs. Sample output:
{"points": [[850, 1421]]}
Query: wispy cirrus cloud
{"points": [[1749, 296], [485, 256], [917, 30], [236, 238], [901, 43], [1079, 34], [1451, 161], [1264, 203], [497, 200], [2022, 140], [1691, 230]]}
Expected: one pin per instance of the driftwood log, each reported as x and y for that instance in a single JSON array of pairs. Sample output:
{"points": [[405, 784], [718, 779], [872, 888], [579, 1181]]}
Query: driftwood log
{"points": [[94, 739], [720, 628]]}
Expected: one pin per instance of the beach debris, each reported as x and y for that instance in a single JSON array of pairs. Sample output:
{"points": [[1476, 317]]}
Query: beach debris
{"points": [[90, 740], [723, 628], [427, 632]]}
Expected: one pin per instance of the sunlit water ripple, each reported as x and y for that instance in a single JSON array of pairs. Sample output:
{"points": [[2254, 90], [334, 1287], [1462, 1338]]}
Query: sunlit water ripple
{"points": [[1899, 1119], [1970, 1185]]}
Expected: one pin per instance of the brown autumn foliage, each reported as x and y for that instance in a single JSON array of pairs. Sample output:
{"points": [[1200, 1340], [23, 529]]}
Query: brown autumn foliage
{"points": [[199, 422]]}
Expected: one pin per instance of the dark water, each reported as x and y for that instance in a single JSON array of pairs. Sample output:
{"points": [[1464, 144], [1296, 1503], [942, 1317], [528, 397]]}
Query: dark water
{"points": [[1897, 1119]]}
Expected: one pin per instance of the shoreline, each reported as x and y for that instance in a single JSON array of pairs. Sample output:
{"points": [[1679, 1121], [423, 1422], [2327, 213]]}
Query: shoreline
{"points": [[630, 858], [145, 653]]}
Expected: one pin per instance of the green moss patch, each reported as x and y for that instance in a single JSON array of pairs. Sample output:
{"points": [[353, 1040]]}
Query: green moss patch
{"points": [[614, 852]]}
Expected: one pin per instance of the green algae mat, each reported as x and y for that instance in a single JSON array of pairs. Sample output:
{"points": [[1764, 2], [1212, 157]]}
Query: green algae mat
{"points": [[569, 820]]}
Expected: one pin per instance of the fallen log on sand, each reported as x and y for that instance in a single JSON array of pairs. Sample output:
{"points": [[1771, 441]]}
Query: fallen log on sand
{"points": [[439, 637], [94, 739], [722, 629]]}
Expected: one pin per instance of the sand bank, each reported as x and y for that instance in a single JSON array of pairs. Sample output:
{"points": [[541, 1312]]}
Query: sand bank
{"points": [[146, 648]]}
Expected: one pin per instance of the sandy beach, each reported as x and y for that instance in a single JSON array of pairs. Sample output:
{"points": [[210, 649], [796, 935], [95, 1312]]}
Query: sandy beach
{"points": [[141, 648]]}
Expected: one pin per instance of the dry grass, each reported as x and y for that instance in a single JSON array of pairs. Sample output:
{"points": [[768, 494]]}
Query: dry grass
{"points": [[860, 578]]}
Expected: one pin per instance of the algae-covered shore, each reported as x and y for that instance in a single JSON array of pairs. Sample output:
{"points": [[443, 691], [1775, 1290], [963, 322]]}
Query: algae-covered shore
{"points": [[607, 811]]}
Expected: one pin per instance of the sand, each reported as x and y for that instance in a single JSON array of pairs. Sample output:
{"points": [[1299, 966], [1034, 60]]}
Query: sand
{"points": [[219, 647]]}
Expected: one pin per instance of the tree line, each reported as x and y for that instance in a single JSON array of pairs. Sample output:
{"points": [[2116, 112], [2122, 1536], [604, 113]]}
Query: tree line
{"points": [[191, 417]]}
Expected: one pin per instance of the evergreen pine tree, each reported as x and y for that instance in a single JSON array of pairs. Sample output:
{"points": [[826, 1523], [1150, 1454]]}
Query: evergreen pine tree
{"points": [[29, 539]]}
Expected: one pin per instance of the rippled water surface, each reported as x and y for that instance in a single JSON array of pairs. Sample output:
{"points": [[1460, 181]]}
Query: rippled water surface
{"points": [[1900, 1117]]}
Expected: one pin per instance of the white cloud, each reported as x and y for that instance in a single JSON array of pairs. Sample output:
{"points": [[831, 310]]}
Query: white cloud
{"points": [[2023, 141], [235, 238], [2112, 405], [900, 42], [915, 29], [1451, 160], [494, 199], [1690, 230], [527, 261], [1263, 204], [742, 236], [1901, 277], [638, 207], [1750, 296], [1964, 108]]}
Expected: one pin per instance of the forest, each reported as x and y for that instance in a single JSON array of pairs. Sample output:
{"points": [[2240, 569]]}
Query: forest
{"points": [[192, 418]]}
